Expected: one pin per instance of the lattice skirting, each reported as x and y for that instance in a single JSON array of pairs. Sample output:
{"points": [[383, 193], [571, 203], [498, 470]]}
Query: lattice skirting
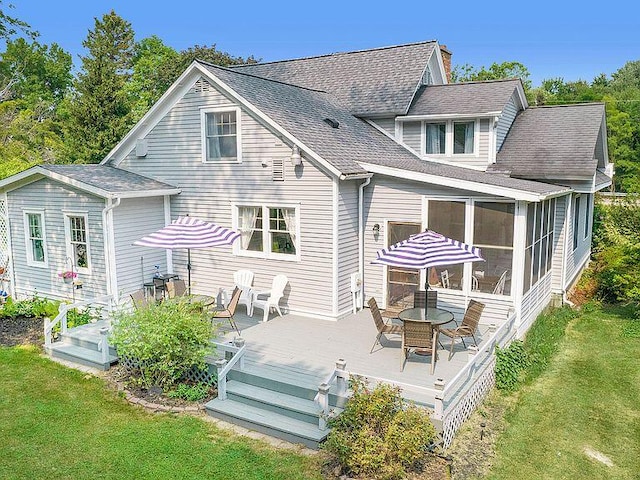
{"points": [[465, 407], [206, 375]]}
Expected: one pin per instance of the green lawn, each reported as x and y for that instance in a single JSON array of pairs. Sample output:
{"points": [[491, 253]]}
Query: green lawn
{"points": [[59, 423], [588, 397]]}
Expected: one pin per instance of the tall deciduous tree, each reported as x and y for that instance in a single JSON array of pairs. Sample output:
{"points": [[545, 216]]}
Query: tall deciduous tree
{"points": [[99, 112], [497, 71]]}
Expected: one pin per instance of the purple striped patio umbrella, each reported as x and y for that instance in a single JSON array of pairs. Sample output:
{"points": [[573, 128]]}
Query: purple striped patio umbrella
{"points": [[425, 250], [189, 232]]}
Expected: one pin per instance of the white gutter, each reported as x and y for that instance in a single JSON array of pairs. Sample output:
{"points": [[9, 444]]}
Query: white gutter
{"points": [[361, 237], [447, 116], [109, 248]]}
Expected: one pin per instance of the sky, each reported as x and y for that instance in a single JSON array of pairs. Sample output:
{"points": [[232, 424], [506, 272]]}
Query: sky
{"points": [[565, 39]]}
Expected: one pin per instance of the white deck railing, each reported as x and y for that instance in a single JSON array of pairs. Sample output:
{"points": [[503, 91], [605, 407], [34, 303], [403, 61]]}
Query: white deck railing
{"points": [[237, 350], [61, 318]]}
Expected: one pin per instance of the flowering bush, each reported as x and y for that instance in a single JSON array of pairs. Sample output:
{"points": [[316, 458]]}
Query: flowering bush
{"points": [[68, 274]]}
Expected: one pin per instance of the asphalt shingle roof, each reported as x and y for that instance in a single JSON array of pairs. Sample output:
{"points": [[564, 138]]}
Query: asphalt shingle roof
{"points": [[302, 111], [552, 143], [373, 82], [110, 179], [463, 98]]}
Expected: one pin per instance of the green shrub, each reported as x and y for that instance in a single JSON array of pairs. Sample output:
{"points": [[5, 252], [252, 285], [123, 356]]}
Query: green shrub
{"points": [[192, 393], [76, 317], [35, 307], [510, 363], [378, 435], [165, 341]]}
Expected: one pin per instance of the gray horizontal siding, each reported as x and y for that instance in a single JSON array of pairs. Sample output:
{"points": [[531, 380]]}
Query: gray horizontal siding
{"points": [[208, 191], [559, 236], [347, 242], [387, 124], [412, 135], [55, 198], [576, 258], [506, 120], [134, 264]]}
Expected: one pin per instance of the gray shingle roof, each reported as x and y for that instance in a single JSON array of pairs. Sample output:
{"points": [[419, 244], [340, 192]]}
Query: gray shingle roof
{"points": [[110, 179], [301, 112], [373, 82], [463, 98], [552, 143]]}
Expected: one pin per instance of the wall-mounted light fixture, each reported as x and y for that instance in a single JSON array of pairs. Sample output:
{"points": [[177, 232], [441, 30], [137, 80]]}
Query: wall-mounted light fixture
{"points": [[296, 159], [376, 229]]}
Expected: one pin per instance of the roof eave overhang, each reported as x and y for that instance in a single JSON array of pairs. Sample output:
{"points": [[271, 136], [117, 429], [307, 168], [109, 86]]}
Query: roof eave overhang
{"points": [[37, 173], [436, 116], [488, 189]]}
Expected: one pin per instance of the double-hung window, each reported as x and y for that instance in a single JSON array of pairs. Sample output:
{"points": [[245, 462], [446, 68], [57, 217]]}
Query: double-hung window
{"points": [[268, 231], [576, 220], [221, 135], [77, 241], [436, 138], [35, 239], [463, 138]]}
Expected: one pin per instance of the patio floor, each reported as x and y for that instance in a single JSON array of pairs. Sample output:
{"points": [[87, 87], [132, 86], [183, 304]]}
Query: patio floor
{"points": [[310, 347]]}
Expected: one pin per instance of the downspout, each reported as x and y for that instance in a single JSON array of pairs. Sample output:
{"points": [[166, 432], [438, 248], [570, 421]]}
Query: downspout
{"points": [[109, 247], [361, 223]]}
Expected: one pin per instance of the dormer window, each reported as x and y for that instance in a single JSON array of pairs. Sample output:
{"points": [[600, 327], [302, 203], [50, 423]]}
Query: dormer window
{"points": [[221, 135], [436, 138], [463, 138]]}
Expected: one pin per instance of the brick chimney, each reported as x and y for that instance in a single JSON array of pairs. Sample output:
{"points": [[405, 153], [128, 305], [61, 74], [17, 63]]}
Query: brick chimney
{"points": [[446, 60]]}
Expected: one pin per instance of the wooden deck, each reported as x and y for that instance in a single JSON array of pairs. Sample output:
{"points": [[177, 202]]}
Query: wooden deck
{"points": [[309, 348]]}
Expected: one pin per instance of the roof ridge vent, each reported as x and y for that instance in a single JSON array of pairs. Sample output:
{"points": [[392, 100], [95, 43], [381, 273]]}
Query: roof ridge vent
{"points": [[333, 123]]}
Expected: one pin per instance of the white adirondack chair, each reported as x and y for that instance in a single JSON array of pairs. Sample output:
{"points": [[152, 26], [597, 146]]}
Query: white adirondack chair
{"points": [[272, 299], [243, 279]]}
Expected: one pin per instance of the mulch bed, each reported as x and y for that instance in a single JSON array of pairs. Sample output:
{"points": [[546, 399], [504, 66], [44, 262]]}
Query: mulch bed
{"points": [[21, 331]]}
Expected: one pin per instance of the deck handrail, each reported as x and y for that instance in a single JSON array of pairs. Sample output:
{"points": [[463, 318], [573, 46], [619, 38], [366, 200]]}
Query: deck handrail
{"points": [[449, 391], [61, 318], [224, 366], [341, 376]]}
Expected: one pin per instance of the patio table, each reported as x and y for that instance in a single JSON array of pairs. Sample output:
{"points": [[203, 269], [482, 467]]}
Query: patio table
{"points": [[433, 315]]}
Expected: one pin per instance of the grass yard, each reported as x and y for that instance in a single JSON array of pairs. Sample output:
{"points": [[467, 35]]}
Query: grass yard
{"points": [[58, 423], [587, 400]]}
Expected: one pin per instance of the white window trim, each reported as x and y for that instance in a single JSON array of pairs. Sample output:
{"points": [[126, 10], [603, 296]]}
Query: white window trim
{"points": [[576, 237], [468, 228], [588, 215], [203, 134], [67, 240], [268, 254], [27, 239], [448, 149]]}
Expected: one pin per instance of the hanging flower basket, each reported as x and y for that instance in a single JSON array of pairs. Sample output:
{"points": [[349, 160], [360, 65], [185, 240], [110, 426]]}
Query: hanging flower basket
{"points": [[68, 276]]}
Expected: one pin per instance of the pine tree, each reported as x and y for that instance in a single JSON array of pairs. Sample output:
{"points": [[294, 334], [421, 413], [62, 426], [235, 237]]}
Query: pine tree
{"points": [[99, 112]]}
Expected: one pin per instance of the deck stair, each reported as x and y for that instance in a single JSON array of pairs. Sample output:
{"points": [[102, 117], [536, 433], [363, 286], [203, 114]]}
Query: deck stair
{"points": [[81, 345], [275, 401]]}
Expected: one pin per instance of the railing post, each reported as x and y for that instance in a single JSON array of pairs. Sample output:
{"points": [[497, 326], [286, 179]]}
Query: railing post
{"points": [[47, 332], [438, 410], [472, 351], [239, 343], [341, 378], [323, 400], [222, 379], [104, 331], [63, 321]]}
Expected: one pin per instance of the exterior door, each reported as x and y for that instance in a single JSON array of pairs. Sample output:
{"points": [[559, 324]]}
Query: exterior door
{"points": [[401, 282]]}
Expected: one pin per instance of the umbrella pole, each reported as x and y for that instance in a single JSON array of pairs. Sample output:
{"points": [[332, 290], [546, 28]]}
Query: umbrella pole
{"points": [[189, 269], [426, 292]]}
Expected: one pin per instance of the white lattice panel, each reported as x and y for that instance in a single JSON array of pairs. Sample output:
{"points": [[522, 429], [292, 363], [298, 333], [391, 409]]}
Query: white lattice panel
{"points": [[465, 407], [5, 251]]}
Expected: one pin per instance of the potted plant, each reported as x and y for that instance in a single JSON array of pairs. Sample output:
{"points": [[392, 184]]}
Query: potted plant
{"points": [[68, 276]]}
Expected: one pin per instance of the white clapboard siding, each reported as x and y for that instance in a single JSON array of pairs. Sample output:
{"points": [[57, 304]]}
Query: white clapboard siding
{"points": [[533, 302], [209, 191], [54, 199], [506, 120], [133, 219], [412, 135]]}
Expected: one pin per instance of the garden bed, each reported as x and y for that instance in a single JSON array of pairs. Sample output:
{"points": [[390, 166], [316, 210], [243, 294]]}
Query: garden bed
{"points": [[21, 331]]}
